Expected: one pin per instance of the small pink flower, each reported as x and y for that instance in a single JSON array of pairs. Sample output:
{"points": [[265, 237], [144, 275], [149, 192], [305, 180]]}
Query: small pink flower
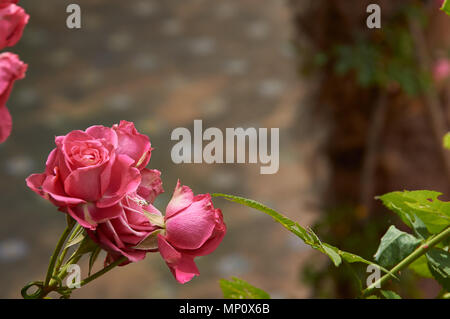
{"points": [[193, 228], [441, 70], [13, 20], [11, 69], [89, 173]]}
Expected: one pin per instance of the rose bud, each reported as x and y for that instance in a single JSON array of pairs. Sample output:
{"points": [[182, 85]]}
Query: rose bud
{"points": [[11, 69], [90, 172], [193, 228], [132, 233], [13, 20]]}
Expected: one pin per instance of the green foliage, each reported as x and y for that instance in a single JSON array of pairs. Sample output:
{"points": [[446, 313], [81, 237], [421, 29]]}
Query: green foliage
{"points": [[77, 237], [424, 205], [380, 59], [308, 236], [239, 289], [388, 294], [439, 265], [446, 7], [426, 253], [420, 267], [395, 245]]}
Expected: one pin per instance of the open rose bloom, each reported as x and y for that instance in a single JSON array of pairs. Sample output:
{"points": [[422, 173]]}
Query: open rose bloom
{"points": [[89, 172], [99, 178]]}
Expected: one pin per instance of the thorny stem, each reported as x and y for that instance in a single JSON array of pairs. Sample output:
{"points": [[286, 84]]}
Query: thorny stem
{"points": [[421, 250]]}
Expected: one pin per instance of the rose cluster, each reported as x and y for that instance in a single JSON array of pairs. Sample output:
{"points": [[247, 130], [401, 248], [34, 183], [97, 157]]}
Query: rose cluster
{"points": [[99, 177], [13, 20]]}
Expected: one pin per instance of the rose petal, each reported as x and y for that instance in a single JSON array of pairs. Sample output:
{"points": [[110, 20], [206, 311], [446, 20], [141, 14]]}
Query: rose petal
{"points": [[125, 179], [35, 181], [192, 227], [182, 197], [5, 123], [84, 183], [214, 241], [168, 253], [137, 146], [133, 255], [13, 20], [185, 270], [151, 185], [182, 266], [103, 133]]}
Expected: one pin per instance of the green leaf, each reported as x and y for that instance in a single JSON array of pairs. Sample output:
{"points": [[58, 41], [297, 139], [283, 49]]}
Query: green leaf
{"points": [[239, 289], [446, 7], [77, 238], [150, 242], [308, 236], [93, 258], [154, 219], [395, 245], [420, 267], [446, 140], [388, 294], [333, 253], [425, 205], [87, 245], [439, 265]]}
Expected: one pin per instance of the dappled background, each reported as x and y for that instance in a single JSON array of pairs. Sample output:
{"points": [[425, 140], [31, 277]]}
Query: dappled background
{"points": [[293, 65], [161, 64]]}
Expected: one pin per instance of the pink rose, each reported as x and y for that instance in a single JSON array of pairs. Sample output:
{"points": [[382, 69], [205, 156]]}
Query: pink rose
{"points": [[11, 69], [193, 227], [8, 2], [13, 20], [89, 172], [126, 235], [441, 70]]}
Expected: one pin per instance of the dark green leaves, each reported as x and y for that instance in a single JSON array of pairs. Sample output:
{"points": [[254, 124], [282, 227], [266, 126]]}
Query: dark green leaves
{"points": [[382, 61], [433, 213], [439, 265], [239, 289], [395, 245], [446, 7]]}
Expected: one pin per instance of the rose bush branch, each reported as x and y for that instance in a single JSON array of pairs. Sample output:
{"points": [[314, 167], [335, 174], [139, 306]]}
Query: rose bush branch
{"points": [[420, 251]]}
